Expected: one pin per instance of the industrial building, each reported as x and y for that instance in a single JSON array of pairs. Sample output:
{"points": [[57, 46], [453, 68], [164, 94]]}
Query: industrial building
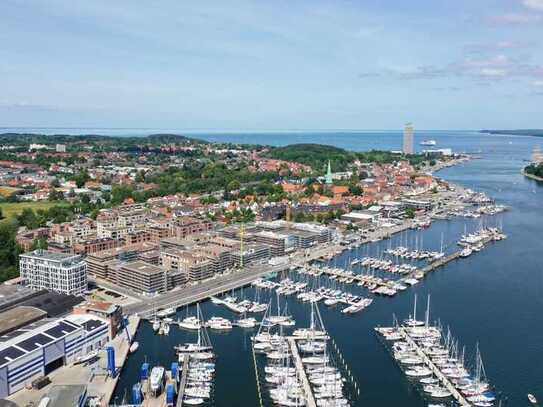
{"points": [[38, 349]]}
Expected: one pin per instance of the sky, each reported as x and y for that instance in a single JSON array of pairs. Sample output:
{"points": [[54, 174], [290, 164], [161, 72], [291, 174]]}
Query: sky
{"points": [[271, 65]]}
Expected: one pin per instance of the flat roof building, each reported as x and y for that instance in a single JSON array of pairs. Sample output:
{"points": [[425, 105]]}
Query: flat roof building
{"points": [[140, 276], [38, 349], [59, 272], [18, 317]]}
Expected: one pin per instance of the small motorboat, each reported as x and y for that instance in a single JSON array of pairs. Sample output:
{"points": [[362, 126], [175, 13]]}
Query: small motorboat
{"points": [[532, 398], [134, 347], [86, 358], [156, 324], [193, 401]]}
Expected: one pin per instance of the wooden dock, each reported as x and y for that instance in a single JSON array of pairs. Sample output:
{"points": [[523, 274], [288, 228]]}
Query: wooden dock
{"points": [[183, 381], [310, 399], [439, 263], [428, 362], [384, 282]]}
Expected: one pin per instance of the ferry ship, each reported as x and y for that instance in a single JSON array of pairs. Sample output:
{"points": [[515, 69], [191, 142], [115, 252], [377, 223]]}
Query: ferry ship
{"points": [[428, 143]]}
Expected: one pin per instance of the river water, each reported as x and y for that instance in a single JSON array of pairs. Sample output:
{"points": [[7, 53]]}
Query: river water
{"points": [[493, 298]]}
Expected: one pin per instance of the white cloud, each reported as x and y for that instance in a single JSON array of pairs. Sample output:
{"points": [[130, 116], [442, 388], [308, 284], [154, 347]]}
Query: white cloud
{"points": [[533, 4], [538, 84], [498, 60], [515, 19], [493, 72]]}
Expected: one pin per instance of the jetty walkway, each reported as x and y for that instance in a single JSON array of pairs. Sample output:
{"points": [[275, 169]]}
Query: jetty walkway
{"points": [[441, 377], [183, 382], [300, 372]]}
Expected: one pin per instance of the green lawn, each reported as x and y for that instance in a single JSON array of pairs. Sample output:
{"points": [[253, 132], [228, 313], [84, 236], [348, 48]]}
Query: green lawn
{"points": [[11, 209]]}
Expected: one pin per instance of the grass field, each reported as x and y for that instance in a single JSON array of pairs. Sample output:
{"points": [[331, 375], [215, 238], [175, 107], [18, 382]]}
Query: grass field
{"points": [[11, 209], [7, 191]]}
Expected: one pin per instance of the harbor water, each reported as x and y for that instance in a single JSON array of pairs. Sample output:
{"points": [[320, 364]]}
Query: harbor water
{"points": [[492, 298]]}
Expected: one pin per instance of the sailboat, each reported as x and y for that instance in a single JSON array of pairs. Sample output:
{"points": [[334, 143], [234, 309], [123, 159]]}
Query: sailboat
{"points": [[478, 392], [202, 349], [412, 320], [279, 319], [245, 322], [155, 322]]}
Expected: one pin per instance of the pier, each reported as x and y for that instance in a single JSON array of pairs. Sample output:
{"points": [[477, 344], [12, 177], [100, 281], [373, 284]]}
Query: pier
{"points": [[438, 263], [122, 350], [386, 283], [183, 381], [428, 362], [300, 372]]}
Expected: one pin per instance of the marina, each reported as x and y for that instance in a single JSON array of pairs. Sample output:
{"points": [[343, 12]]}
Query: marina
{"points": [[470, 276], [426, 355], [300, 369]]}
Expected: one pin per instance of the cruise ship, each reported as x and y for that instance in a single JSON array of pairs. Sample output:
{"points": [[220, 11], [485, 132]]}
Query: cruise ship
{"points": [[428, 143]]}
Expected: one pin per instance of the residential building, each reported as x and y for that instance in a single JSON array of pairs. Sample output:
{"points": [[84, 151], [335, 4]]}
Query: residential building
{"points": [[58, 272], [140, 276]]}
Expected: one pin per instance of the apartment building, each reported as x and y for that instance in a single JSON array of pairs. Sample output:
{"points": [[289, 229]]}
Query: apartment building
{"points": [[58, 272]]}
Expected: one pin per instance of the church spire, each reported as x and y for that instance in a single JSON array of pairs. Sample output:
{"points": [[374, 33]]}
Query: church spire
{"points": [[329, 174]]}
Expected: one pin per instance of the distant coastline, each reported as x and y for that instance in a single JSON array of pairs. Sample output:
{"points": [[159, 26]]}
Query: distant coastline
{"points": [[518, 132]]}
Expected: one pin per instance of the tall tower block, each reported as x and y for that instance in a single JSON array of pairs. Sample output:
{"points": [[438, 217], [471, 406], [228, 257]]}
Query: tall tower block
{"points": [[408, 131]]}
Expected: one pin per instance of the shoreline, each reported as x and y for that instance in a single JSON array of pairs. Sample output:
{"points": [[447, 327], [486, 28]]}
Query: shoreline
{"points": [[531, 176]]}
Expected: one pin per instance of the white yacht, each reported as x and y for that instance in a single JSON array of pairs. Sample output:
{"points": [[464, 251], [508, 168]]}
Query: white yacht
{"points": [[156, 324], [412, 320], [201, 349], [193, 401], [156, 380], [246, 322], [428, 143], [191, 323], [219, 324]]}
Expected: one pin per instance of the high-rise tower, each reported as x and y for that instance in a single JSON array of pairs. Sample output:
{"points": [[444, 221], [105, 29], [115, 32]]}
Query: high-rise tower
{"points": [[408, 139]]}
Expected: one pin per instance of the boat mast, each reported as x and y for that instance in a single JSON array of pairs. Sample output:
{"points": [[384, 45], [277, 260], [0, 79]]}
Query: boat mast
{"points": [[415, 309], [428, 311]]}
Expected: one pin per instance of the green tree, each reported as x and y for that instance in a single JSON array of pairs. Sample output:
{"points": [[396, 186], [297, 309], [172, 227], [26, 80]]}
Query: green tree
{"points": [[140, 176], [39, 243], [234, 185], [121, 192], [9, 250], [56, 195], [81, 178], [355, 189], [28, 218]]}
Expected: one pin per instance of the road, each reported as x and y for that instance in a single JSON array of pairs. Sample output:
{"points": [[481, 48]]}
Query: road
{"points": [[220, 284]]}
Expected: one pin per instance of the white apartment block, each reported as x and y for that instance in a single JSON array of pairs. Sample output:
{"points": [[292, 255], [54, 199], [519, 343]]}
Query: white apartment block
{"points": [[58, 272]]}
